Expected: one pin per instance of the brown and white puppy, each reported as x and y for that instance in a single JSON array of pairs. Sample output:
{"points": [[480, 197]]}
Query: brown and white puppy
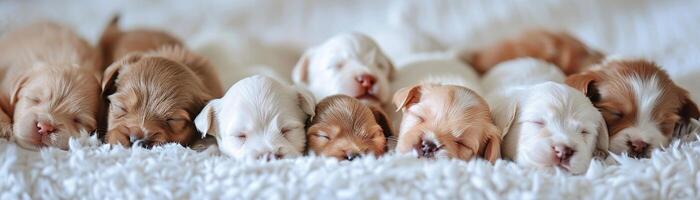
{"points": [[446, 121], [639, 101], [345, 128], [116, 43], [154, 97], [50, 85], [558, 48]]}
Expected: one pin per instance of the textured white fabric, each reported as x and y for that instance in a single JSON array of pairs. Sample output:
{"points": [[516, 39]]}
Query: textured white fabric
{"points": [[664, 31]]}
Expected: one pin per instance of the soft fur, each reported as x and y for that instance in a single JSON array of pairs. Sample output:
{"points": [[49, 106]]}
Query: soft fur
{"points": [[116, 43], [50, 85], [546, 124], [258, 118]]}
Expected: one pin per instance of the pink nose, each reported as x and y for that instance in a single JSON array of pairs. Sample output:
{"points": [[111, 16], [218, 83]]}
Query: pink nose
{"points": [[563, 152], [366, 80], [638, 146], [45, 128]]}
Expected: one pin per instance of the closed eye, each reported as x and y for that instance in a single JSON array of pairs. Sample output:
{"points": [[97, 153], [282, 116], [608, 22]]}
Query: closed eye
{"points": [[321, 136]]}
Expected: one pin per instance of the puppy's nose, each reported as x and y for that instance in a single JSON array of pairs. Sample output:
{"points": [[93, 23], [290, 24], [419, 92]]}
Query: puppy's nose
{"points": [[45, 128], [427, 149], [563, 152], [638, 146], [366, 80], [270, 156], [352, 156]]}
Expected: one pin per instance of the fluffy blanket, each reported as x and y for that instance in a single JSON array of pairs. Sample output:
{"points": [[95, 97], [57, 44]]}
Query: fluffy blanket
{"points": [[664, 31]]}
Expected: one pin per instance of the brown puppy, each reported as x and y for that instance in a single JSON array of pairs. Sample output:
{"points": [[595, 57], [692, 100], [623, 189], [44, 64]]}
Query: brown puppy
{"points": [[639, 101], [115, 43], [446, 121], [50, 85], [153, 97], [345, 128], [558, 48]]}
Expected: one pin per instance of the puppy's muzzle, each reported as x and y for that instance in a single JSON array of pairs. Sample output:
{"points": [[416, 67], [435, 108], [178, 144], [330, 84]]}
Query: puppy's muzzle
{"points": [[426, 149], [563, 153], [270, 156], [45, 128], [352, 156], [638, 148]]}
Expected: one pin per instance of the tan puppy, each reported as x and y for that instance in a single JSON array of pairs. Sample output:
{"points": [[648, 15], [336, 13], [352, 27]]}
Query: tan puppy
{"points": [[446, 121], [640, 103], [115, 43], [50, 85], [153, 97], [558, 48], [345, 128]]}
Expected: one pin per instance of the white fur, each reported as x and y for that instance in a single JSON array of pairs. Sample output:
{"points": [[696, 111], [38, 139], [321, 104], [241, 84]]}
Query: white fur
{"points": [[527, 98], [259, 108]]}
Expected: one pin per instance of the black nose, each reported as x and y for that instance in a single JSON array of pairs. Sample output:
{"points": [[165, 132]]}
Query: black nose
{"points": [[426, 149], [352, 156]]}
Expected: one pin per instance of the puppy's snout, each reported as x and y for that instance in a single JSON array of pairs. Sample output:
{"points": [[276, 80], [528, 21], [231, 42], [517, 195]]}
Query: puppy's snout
{"points": [[638, 147], [427, 149], [352, 156], [563, 152], [366, 80], [270, 156], [45, 128]]}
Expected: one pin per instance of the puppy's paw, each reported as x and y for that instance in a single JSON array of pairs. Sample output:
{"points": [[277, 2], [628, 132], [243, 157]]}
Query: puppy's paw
{"points": [[5, 130], [600, 155]]}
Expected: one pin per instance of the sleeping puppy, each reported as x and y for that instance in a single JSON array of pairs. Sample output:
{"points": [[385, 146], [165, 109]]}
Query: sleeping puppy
{"points": [[258, 118], [350, 64], [546, 124], [50, 85], [153, 97], [442, 117], [115, 43], [641, 104], [558, 48], [345, 129]]}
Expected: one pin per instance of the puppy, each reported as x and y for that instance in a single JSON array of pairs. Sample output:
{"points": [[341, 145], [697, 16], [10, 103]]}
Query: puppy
{"points": [[558, 48], [346, 129], [350, 64], [641, 104], [50, 85], [153, 97], [546, 123], [115, 43], [258, 118], [441, 116]]}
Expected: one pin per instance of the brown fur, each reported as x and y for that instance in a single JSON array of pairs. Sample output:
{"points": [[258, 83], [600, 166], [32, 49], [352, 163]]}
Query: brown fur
{"points": [[116, 43], [155, 96], [351, 127], [459, 118], [558, 48]]}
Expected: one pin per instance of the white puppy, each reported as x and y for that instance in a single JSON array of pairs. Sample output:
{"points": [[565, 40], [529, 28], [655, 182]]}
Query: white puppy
{"points": [[350, 64], [258, 117], [546, 124]]}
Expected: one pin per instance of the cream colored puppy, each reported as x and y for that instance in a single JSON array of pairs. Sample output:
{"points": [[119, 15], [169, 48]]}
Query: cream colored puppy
{"points": [[50, 85], [442, 116], [350, 64], [546, 124], [258, 117]]}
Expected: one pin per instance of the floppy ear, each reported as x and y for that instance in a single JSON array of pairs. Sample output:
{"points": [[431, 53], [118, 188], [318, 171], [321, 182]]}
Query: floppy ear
{"points": [[688, 111], [306, 103], [206, 121], [16, 88], [301, 69], [603, 141], [391, 70], [406, 97], [381, 118], [112, 72], [585, 82], [492, 152], [504, 114]]}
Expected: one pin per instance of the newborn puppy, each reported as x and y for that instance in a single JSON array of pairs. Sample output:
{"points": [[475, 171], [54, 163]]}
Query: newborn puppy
{"points": [[639, 101], [558, 48], [258, 118], [153, 97], [350, 64], [546, 124], [442, 115], [50, 85], [115, 43], [346, 129]]}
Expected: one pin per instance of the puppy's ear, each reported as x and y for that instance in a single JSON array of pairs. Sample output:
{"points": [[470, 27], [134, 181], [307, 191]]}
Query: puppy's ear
{"points": [[585, 82], [603, 141], [306, 102], [406, 97], [112, 72], [301, 69], [687, 112], [207, 121], [381, 118], [492, 152], [21, 82], [504, 114], [390, 69]]}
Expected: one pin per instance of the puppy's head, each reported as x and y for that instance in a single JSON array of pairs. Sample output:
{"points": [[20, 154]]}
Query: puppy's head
{"points": [[258, 117], [152, 101], [554, 125], [446, 121], [350, 64], [51, 104], [345, 129], [640, 103]]}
